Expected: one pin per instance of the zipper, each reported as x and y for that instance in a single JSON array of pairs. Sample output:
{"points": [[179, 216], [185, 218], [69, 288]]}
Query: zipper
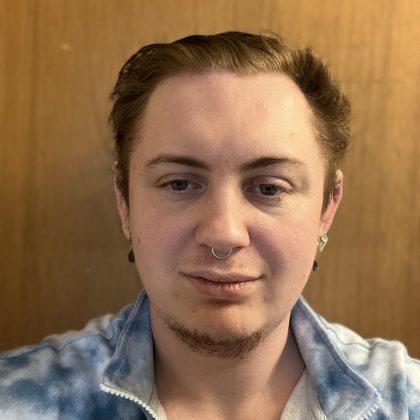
{"points": [[130, 397], [372, 410]]}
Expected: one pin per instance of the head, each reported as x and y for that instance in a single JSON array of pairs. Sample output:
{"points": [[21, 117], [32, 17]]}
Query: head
{"points": [[230, 141], [241, 54]]}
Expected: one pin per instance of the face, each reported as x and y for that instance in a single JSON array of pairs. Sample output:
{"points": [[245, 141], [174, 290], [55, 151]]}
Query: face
{"points": [[229, 163]]}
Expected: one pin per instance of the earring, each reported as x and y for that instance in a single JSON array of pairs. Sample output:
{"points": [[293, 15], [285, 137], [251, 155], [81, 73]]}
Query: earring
{"points": [[131, 255], [322, 241], [131, 252]]}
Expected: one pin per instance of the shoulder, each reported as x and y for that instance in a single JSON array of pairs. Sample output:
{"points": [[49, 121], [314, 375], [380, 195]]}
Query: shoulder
{"points": [[99, 332], [338, 355], [61, 365], [385, 364], [374, 353]]}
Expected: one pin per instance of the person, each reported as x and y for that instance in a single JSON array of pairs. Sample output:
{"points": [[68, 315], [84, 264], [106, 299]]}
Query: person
{"points": [[227, 180]]}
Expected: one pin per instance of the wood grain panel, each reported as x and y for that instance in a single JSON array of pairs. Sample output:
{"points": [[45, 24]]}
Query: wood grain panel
{"points": [[63, 258]]}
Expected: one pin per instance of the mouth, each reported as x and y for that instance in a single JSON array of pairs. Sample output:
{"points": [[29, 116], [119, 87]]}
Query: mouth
{"points": [[224, 286], [225, 278]]}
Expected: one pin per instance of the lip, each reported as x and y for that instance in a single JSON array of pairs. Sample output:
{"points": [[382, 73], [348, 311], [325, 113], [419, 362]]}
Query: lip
{"points": [[222, 277], [229, 286]]}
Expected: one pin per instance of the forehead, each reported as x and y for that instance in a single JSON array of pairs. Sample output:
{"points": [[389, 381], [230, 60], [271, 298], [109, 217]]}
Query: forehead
{"points": [[226, 116]]}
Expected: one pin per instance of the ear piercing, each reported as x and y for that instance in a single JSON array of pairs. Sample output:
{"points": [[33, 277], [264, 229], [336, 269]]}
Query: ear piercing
{"points": [[131, 257], [322, 241]]}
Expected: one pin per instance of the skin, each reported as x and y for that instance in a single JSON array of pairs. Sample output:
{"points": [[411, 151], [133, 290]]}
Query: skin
{"points": [[269, 215]]}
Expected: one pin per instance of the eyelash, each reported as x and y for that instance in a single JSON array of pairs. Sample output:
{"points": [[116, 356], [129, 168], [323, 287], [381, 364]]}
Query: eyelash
{"points": [[280, 190]]}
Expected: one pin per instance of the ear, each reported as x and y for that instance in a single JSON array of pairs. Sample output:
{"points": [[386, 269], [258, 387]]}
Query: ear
{"points": [[328, 216], [121, 202]]}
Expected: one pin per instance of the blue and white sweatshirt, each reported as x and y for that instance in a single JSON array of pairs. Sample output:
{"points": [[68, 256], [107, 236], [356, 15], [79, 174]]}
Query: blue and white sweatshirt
{"points": [[106, 371]]}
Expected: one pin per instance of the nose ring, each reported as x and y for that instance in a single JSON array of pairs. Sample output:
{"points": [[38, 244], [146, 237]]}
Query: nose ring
{"points": [[221, 257]]}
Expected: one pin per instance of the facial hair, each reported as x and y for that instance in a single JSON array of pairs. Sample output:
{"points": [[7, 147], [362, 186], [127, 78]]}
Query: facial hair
{"points": [[203, 343]]}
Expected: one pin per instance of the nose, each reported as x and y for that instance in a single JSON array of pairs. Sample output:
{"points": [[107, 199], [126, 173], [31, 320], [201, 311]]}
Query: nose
{"points": [[222, 224]]}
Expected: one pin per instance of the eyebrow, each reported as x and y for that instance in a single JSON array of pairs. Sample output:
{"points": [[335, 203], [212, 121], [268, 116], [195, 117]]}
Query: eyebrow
{"points": [[261, 162]]}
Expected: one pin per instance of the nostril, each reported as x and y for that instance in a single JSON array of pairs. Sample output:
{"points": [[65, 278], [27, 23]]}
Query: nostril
{"points": [[221, 255]]}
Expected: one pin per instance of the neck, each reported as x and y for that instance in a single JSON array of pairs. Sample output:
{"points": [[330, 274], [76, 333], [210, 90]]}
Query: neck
{"points": [[232, 387]]}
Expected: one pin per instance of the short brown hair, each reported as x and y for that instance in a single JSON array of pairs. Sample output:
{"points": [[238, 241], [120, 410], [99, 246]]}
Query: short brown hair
{"points": [[240, 53]]}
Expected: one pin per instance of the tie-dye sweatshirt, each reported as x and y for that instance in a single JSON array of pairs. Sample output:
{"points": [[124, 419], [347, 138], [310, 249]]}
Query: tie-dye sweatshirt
{"points": [[106, 370]]}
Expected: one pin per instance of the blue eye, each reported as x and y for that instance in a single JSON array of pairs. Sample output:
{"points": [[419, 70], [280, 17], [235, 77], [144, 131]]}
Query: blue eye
{"points": [[178, 184], [270, 193], [269, 189]]}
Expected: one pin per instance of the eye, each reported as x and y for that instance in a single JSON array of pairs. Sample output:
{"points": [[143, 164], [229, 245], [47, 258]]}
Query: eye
{"points": [[178, 184], [270, 192], [269, 189]]}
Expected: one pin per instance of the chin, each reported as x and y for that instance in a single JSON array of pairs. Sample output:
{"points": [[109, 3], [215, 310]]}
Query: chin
{"points": [[225, 341], [228, 323], [220, 333], [228, 320]]}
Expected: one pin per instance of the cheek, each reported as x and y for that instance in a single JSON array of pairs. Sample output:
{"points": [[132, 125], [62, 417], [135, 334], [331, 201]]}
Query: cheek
{"points": [[289, 245], [159, 237]]}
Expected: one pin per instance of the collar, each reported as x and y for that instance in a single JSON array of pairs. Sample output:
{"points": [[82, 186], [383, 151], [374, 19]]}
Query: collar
{"points": [[130, 373], [341, 390], [343, 393]]}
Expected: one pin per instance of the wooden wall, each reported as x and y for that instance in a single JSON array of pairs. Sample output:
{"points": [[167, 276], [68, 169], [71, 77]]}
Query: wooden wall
{"points": [[63, 258]]}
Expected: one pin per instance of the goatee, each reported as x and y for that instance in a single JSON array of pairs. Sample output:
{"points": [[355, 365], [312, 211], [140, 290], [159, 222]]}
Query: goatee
{"points": [[201, 342]]}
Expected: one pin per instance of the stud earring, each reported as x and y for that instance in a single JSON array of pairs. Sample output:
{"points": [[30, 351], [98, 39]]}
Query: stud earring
{"points": [[315, 266]]}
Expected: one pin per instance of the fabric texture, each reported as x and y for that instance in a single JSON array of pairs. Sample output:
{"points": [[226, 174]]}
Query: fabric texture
{"points": [[303, 403], [106, 372]]}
